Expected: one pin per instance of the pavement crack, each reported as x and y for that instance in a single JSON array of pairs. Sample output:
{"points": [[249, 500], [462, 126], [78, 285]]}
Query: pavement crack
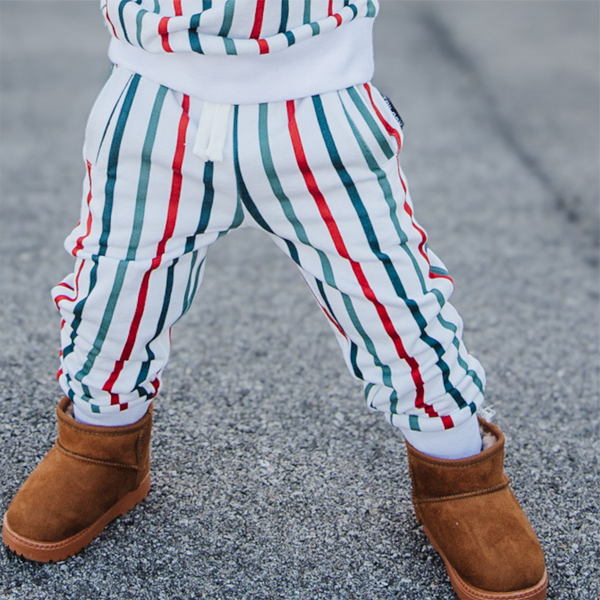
{"points": [[441, 35]]}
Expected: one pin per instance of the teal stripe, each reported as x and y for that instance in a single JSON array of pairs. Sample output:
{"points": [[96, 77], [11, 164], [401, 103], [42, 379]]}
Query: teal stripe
{"points": [[138, 223], [290, 38], [439, 271], [109, 312], [111, 116], [156, 6], [285, 11], [196, 282], [207, 204], [413, 422], [353, 352], [306, 18], [144, 178], [227, 18], [243, 193], [365, 113], [113, 160], [187, 296], [371, 9], [370, 233], [316, 29], [138, 25], [145, 368], [230, 48], [193, 33], [122, 19]]}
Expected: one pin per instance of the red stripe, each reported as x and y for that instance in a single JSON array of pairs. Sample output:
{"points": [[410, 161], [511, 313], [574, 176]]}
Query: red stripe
{"points": [[447, 421], [160, 250], [330, 8], [111, 23], [156, 385], [264, 46], [164, 33], [338, 18], [73, 289], [258, 19], [394, 132], [340, 246], [177, 6], [79, 245]]}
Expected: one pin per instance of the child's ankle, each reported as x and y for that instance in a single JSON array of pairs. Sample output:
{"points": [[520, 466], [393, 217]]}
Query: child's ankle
{"points": [[458, 442], [113, 419]]}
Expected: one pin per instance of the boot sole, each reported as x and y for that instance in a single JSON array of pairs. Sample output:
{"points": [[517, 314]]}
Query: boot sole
{"points": [[466, 591], [55, 551]]}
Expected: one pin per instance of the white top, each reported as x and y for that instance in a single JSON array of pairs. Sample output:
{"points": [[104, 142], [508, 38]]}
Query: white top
{"points": [[245, 51]]}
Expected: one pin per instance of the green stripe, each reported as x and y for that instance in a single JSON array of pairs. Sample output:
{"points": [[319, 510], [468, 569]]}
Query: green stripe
{"points": [[243, 193], [138, 25], [207, 204], [113, 159], [355, 368], [109, 312], [187, 296], [227, 18], [144, 178], [193, 33], [196, 282], [230, 48], [306, 18], [113, 162], [145, 368], [285, 11], [111, 116], [121, 18], [380, 137]]}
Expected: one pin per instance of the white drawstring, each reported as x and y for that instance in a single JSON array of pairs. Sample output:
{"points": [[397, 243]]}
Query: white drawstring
{"points": [[212, 131]]}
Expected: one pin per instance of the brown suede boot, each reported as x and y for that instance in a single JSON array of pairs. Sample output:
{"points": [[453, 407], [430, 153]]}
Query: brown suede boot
{"points": [[476, 524], [90, 476]]}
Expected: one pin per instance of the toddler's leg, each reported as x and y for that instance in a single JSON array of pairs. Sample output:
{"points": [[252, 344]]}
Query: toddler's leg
{"points": [[140, 248], [340, 208], [146, 223]]}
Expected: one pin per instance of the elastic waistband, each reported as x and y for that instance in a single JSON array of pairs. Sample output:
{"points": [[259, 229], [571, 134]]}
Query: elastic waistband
{"points": [[324, 63]]}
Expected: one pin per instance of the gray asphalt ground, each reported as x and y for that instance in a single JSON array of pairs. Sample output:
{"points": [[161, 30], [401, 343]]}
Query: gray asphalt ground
{"points": [[271, 478]]}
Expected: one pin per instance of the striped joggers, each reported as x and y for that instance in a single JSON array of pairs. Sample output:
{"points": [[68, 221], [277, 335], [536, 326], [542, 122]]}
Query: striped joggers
{"points": [[321, 176]]}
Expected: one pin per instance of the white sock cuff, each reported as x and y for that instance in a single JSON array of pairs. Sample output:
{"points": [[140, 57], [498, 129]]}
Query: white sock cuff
{"points": [[458, 442], [112, 419]]}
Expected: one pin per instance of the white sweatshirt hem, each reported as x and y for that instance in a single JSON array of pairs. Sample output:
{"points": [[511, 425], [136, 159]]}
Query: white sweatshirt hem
{"points": [[324, 63]]}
